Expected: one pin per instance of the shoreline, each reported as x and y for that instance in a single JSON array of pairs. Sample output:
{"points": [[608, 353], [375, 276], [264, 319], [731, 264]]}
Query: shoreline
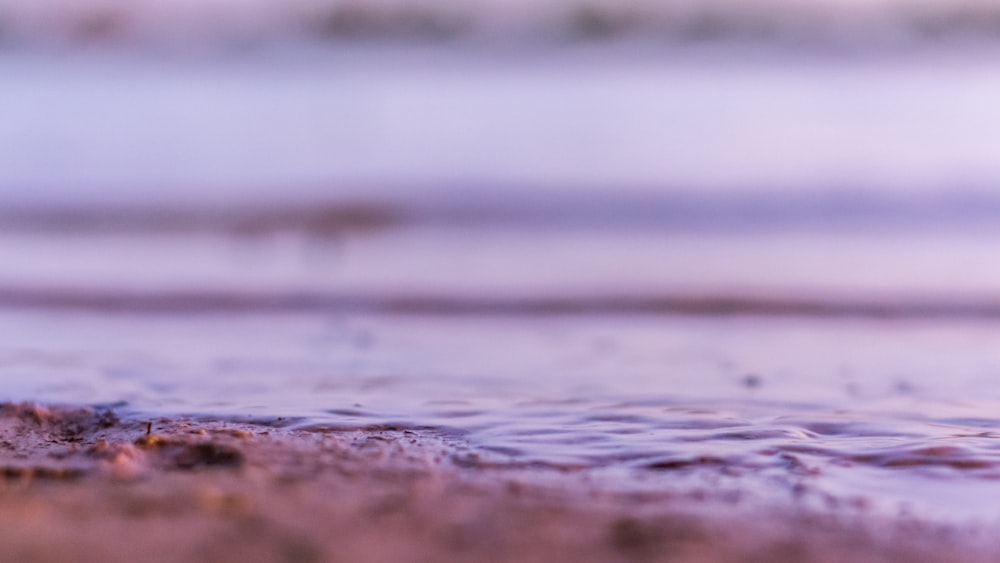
{"points": [[84, 484]]}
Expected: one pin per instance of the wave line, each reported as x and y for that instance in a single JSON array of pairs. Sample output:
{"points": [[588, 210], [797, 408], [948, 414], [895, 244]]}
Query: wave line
{"points": [[646, 304]]}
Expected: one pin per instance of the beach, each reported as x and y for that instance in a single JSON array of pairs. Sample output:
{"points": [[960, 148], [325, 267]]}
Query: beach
{"points": [[83, 485], [566, 281]]}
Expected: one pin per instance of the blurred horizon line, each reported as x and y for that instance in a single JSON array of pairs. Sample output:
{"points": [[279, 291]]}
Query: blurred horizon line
{"points": [[885, 24]]}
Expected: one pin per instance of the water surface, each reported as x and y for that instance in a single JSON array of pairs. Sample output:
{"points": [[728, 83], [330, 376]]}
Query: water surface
{"points": [[884, 413], [770, 277]]}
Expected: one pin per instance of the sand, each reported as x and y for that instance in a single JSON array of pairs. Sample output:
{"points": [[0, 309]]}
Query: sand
{"points": [[86, 485]]}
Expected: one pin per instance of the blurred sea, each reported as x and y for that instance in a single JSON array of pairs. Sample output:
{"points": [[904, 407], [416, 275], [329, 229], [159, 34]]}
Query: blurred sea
{"points": [[744, 246]]}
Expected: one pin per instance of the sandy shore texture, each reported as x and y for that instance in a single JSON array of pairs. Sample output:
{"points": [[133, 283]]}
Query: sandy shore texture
{"points": [[86, 485]]}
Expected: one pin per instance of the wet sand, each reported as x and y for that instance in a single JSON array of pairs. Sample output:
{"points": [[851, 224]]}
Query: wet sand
{"points": [[84, 484]]}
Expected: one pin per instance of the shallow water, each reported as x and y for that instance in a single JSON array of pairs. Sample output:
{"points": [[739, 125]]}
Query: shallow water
{"points": [[793, 299], [421, 123], [888, 412]]}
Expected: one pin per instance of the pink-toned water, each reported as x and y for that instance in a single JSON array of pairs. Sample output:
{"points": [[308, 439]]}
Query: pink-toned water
{"points": [[770, 276], [535, 348]]}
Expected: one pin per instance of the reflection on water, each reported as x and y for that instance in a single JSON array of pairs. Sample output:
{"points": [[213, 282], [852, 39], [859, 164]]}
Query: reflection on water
{"points": [[297, 128]]}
